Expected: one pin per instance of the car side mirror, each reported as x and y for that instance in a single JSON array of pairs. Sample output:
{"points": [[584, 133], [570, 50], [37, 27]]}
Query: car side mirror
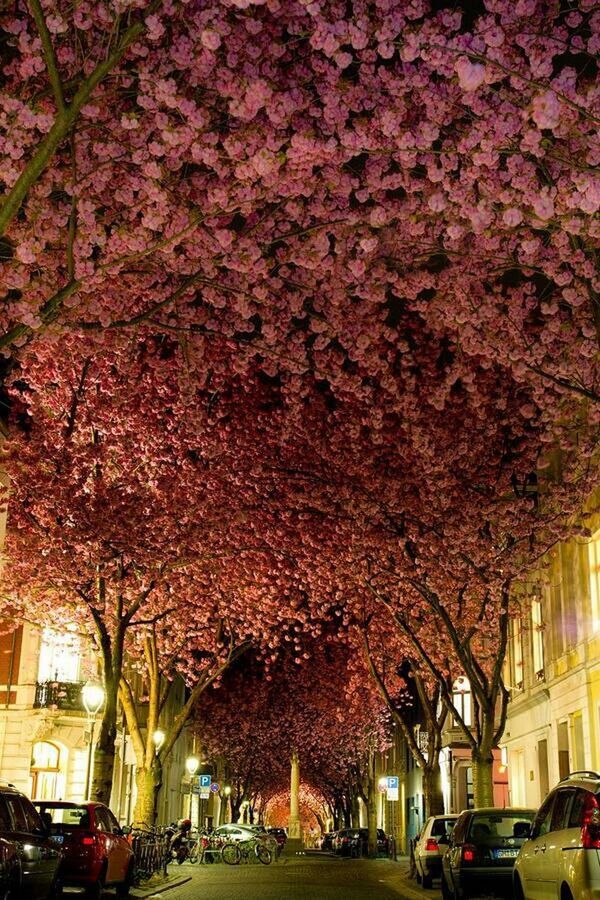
{"points": [[522, 830]]}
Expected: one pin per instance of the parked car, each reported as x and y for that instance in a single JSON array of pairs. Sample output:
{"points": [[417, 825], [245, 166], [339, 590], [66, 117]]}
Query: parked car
{"points": [[359, 842], [237, 832], [482, 850], [327, 840], [561, 859], [428, 851], [354, 842], [95, 850], [341, 841], [29, 859], [279, 834]]}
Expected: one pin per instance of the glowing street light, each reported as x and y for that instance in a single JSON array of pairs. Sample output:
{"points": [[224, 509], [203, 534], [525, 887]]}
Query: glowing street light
{"points": [[192, 765], [158, 739], [92, 695]]}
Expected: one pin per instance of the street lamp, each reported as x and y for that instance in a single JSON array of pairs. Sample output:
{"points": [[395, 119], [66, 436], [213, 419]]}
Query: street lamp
{"points": [[158, 739], [92, 695], [192, 765]]}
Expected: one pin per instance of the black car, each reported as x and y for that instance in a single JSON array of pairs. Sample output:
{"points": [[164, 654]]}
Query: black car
{"points": [[482, 850], [29, 859], [327, 840], [354, 842]]}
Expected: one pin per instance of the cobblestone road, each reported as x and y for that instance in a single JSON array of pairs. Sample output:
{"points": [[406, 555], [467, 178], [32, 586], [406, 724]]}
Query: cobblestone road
{"points": [[299, 879]]}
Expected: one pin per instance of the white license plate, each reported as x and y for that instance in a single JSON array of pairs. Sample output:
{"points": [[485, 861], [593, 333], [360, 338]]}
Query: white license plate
{"points": [[59, 838], [506, 854]]}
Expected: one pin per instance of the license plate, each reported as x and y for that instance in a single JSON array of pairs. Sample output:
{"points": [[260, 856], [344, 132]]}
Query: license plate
{"points": [[59, 838], [506, 854]]}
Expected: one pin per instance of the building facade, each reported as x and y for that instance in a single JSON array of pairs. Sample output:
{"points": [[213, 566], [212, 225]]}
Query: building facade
{"points": [[45, 733], [553, 724]]}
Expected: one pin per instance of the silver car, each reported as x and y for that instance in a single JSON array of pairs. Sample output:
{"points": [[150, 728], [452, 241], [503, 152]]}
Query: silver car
{"points": [[561, 859], [428, 850]]}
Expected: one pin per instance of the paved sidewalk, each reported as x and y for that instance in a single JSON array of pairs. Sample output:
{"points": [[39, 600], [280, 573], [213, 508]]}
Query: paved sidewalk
{"points": [[162, 885]]}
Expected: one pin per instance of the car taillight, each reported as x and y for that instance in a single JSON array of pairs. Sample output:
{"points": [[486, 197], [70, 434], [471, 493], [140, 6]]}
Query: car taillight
{"points": [[87, 839], [431, 844], [590, 824], [469, 853], [345, 840]]}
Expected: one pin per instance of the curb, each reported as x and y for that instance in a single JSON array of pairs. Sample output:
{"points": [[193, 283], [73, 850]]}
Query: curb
{"points": [[161, 887]]}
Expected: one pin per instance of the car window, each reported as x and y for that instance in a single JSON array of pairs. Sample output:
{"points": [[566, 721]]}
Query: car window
{"points": [[577, 807], [5, 820], [458, 835], [103, 822], [63, 815], [561, 809], [496, 825], [16, 812], [442, 827], [113, 820], [33, 821], [541, 823]]}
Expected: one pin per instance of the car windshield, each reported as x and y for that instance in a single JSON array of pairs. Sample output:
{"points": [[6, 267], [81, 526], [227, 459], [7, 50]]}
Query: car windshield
{"points": [[490, 826], [65, 815], [442, 827]]}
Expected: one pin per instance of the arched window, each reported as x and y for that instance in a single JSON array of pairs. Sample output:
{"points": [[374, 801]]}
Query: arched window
{"points": [[461, 698], [46, 778]]}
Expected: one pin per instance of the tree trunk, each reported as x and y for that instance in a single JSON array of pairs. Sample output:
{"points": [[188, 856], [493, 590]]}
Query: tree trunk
{"points": [[372, 819], [148, 785], [104, 757], [432, 790], [355, 812], [483, 777]]}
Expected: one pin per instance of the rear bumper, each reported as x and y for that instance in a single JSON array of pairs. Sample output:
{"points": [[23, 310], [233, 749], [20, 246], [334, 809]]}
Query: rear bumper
{"points": [[431, 865], [482, 880]]}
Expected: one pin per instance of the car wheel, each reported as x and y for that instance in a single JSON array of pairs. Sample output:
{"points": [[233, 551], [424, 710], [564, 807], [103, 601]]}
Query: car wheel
{"points": [[565, 893], [518, 891], [95, 891], [427, 880], [447, 894], [123, 889]]}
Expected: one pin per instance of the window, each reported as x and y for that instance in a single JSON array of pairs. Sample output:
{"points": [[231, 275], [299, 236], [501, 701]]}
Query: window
{"points": [[32, 818], [16, 812], [47, 782], [578, 747], [562, 809], [541, 823], [576, 814], [542, 755], [461, 698], [102, 818], [516, 654], [537, 637], [60, 656], [564, 764], [5, 821], [594, 564]]}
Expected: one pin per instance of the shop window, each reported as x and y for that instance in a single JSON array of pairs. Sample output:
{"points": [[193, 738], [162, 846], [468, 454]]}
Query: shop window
{"points": [[60, 656]]}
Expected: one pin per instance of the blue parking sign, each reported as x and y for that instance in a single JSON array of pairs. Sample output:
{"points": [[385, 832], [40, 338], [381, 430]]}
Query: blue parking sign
{"points": [[205, 781], [392, 782]]}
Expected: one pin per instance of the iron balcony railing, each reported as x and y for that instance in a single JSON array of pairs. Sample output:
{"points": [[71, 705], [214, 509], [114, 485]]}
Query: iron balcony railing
{"points": [[58, 695]]}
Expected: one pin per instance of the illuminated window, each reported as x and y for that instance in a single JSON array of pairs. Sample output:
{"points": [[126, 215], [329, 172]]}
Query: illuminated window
{"points": [[47, 781], [60, 656], [461, 698], [537, 637], [594, 563], [516, 654]]}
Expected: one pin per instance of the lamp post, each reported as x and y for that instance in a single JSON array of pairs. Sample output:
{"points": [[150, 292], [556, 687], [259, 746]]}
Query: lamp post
{"points": [[192, 764], [227, 792], [92, 695], [158, 739]]}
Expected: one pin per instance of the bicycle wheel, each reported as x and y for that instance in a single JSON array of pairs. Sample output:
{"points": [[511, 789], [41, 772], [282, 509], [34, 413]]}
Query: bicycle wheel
{"points": [[194, 852], [264, 855], [231, 854]]}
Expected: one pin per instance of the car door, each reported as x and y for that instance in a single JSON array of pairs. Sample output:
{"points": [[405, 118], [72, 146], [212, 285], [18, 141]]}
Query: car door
{"points": [[31, 850], [105, 829], [531, 857], [451, 859], [121, 851], [555, 839], [49, 852]]}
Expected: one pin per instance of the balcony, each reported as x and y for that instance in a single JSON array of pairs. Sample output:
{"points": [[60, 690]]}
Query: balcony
{"points": [[58, 695]]}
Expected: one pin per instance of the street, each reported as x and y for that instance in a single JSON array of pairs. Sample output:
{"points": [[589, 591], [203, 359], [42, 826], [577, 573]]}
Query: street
{"points": [[302, 878]]}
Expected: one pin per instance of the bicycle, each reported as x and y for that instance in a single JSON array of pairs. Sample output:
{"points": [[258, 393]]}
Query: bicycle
{"points": [[213, 849], [258, 849]]}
